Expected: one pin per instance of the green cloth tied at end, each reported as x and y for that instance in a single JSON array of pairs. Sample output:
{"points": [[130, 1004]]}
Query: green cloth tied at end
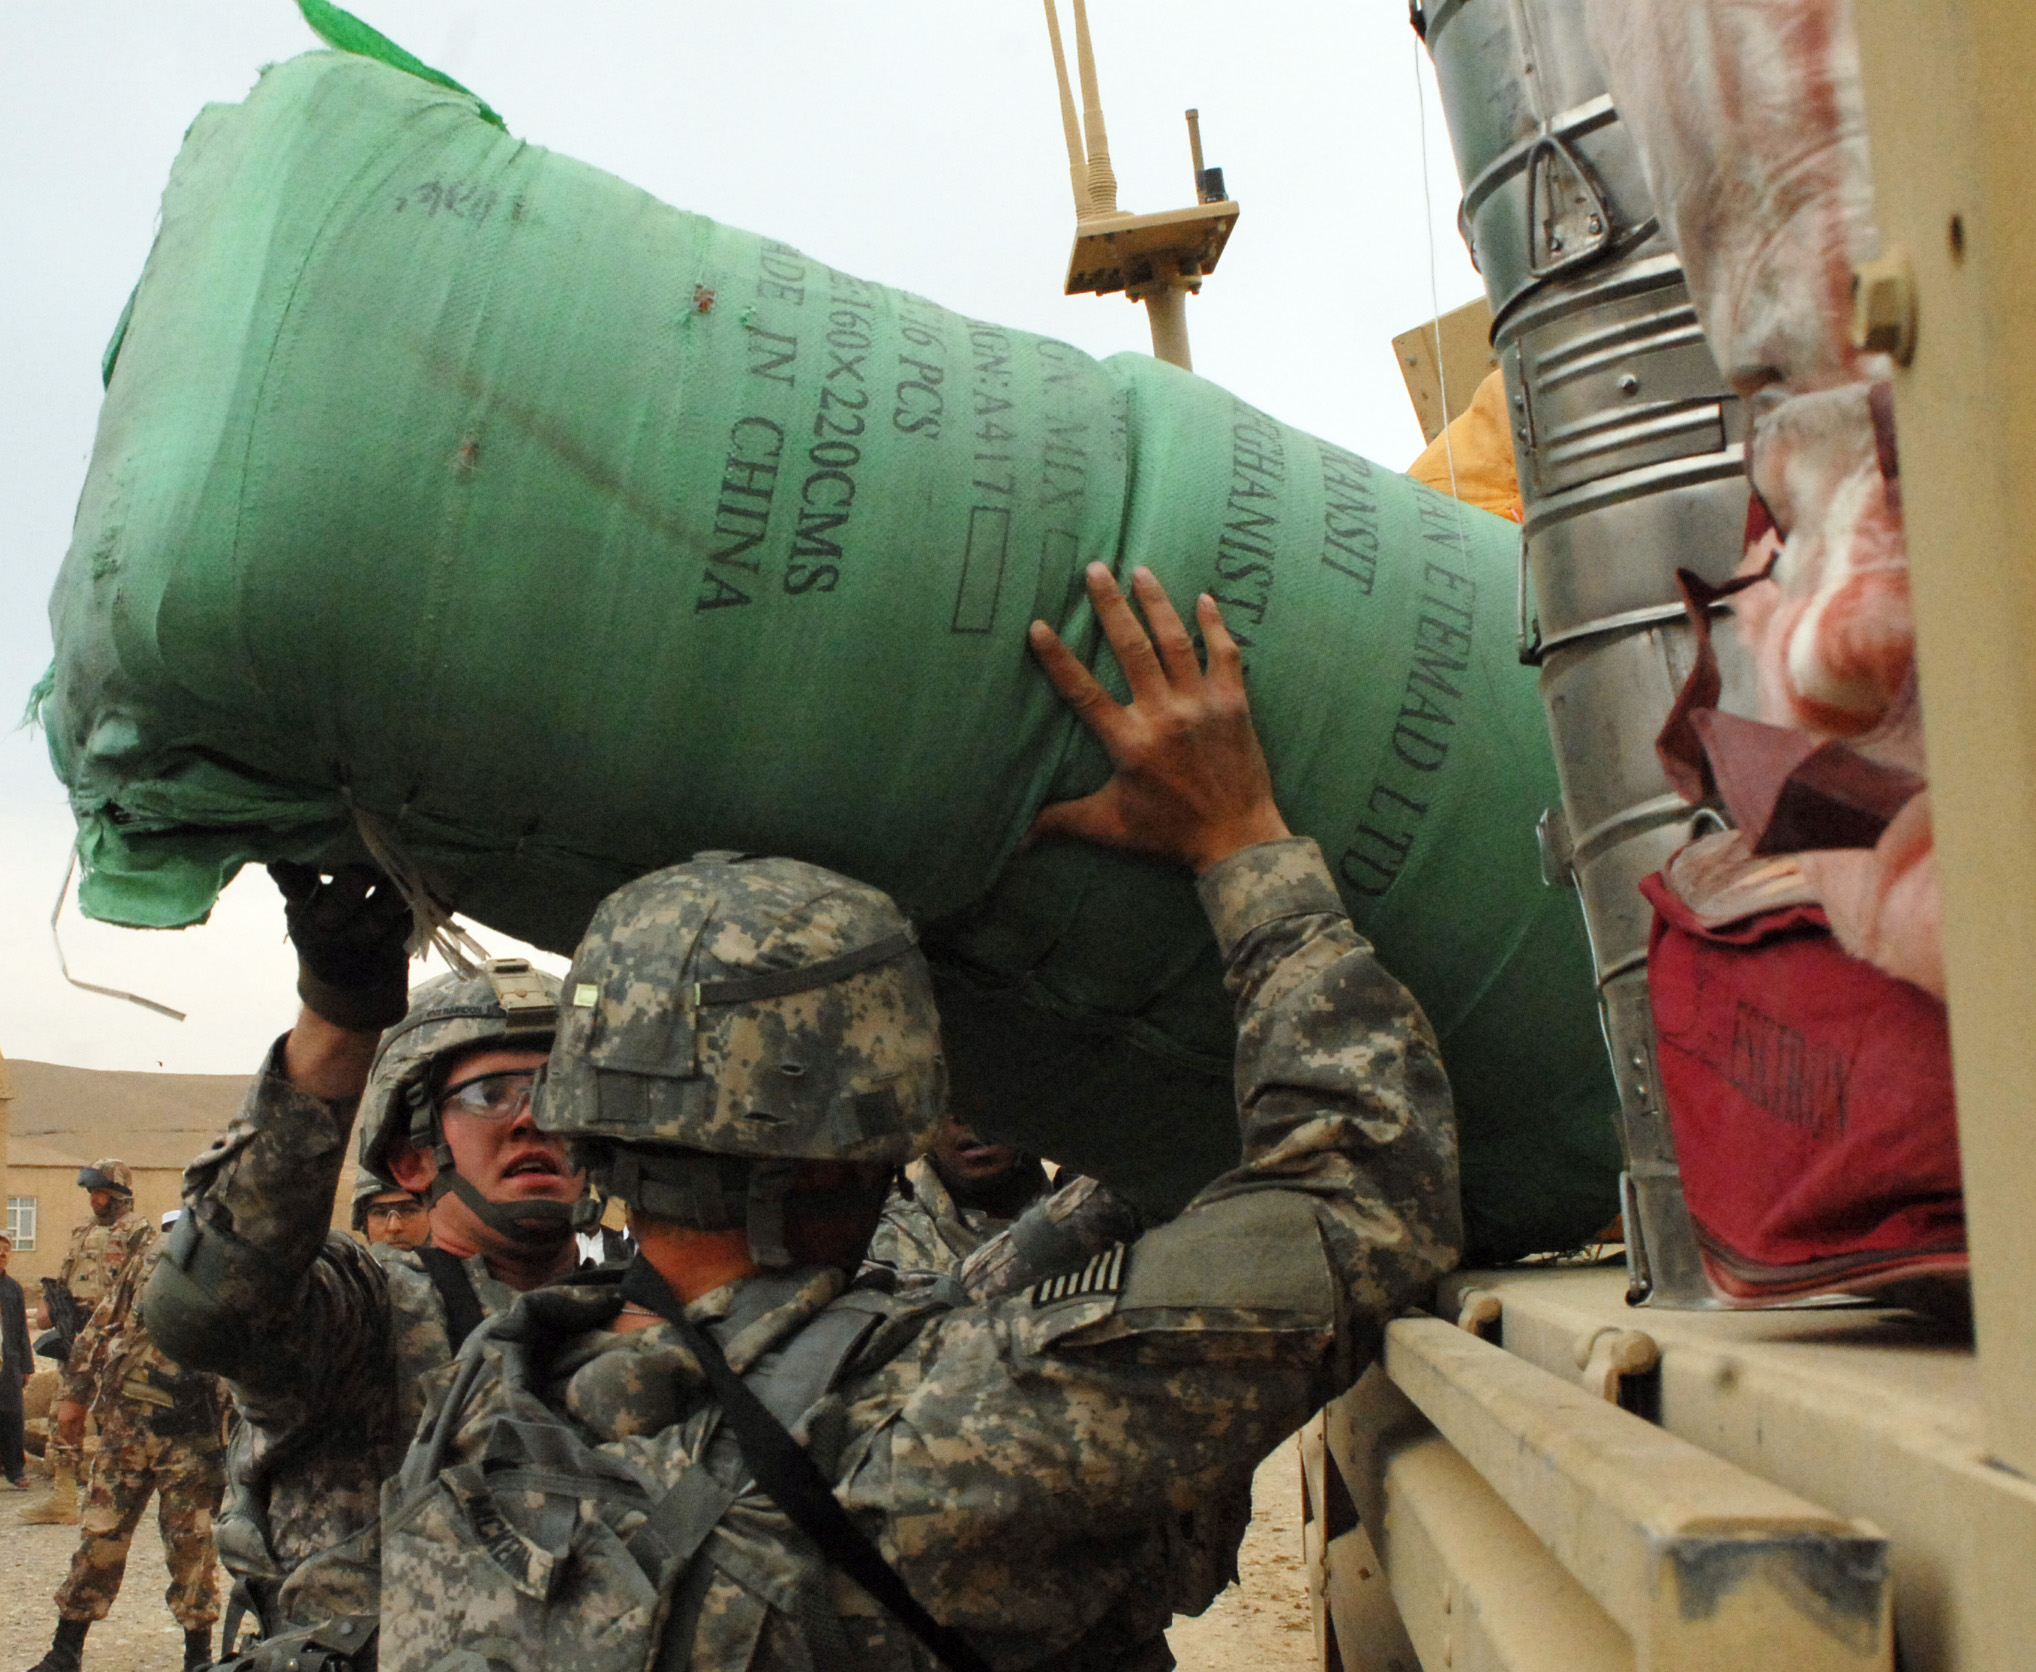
{"points": [[339, 28]]}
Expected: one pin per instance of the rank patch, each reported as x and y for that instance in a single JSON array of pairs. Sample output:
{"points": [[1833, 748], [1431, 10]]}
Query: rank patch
{"points": [[1103, 1275]]}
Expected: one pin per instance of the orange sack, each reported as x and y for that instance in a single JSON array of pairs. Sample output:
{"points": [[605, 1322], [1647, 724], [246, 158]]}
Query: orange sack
{"points": [[1478, 448]]}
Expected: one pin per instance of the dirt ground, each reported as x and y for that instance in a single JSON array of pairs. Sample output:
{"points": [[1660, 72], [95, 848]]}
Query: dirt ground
{"points": [[138, 1636], [1259, 1625]]}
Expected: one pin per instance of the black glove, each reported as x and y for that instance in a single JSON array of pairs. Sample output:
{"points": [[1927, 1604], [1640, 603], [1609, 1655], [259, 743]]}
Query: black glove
{"points": [[351, 933]]}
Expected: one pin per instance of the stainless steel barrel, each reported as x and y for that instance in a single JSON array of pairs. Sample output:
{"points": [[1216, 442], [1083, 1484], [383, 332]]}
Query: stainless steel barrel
{"points": [[1631, 465]]}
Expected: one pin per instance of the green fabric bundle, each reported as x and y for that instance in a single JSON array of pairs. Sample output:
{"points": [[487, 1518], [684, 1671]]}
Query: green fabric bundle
{"points": [[454, 489]]}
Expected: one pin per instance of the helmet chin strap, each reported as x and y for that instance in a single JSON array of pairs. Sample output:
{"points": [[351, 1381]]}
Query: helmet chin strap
{"points": [[534, 1224], [764, 1213]]}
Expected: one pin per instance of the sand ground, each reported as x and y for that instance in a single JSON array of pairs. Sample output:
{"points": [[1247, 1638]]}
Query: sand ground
{"points": [[1262, 1623], [1259, 1625]]}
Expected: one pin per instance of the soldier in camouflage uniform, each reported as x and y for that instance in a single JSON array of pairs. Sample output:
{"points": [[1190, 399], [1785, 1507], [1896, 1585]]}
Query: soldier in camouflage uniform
{"points": [[160, 1432], [99, 1249], [323, 1341], [609, 1482], [947, 1204]]}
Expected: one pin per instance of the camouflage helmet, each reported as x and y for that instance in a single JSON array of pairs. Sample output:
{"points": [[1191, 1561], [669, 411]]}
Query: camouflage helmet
{"points": [[729, 1016], [107, 1175], [507, 1005]]}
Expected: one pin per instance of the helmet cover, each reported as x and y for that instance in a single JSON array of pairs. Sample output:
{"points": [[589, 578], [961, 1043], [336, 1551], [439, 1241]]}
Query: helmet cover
{"points": [[758, 1008], [107, 1175]]}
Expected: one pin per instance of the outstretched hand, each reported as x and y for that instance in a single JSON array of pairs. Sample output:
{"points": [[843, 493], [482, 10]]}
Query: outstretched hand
{"points": [[1191, 783], [351, 932]]}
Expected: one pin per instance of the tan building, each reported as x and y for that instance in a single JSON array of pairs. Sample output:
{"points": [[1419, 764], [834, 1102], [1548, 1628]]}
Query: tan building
{"points": [[61, 1119]]}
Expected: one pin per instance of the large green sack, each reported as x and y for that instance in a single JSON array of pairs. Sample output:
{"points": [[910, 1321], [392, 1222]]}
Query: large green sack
{"points": [[564, 534]]}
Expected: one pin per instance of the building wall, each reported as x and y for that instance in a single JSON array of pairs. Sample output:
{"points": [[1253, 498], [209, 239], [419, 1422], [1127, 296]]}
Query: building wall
{"points": [[63, 1118], [60, 1204]]}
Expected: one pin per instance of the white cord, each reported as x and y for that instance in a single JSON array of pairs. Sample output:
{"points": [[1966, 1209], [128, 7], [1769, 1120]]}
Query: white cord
{"points": [[435, 928], [64, 964]]}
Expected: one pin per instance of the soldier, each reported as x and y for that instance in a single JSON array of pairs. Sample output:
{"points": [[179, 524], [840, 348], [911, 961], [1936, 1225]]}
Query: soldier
{"points": [[15, 1369], [724, 1461], [98, 1251], [947, 1204], [323, 1341], [160, 1432], [385, 1213]]}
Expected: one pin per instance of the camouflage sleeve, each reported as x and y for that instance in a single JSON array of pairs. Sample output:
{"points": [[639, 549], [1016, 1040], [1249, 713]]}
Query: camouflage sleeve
{"points": [[1016, 1442], [131, 1239], [1055, 1234], [253, 1288], [1340, 1087]]}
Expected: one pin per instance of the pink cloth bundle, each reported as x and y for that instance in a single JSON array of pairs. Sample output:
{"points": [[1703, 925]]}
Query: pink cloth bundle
{"points": [[1749, 118]]}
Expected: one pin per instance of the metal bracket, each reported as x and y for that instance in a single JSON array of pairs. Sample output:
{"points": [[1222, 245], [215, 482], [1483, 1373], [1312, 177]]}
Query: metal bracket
{"points": [[1568, 222], [1558, 853]]}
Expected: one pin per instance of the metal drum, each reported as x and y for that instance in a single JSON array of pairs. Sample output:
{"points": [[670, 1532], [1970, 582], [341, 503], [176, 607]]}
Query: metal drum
{"points": [[1631, 465]]}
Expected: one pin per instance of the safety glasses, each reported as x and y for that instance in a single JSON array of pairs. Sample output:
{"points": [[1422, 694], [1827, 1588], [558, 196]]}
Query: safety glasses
{"points": [[394, 1212], [499, 1096]]}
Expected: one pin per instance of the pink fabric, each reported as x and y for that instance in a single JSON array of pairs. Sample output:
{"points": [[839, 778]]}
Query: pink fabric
{"points": [[1837, 644], [1751, 126], [1752, 130]]}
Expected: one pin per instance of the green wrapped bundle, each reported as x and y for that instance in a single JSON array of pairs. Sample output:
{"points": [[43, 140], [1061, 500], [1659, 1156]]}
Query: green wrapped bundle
{"points": [[457, 491]]}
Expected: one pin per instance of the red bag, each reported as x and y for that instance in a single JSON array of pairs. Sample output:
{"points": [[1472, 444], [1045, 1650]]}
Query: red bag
{"points": [[1809, 1092]]}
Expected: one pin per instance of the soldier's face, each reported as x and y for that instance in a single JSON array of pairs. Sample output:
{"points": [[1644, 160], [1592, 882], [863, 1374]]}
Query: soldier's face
{"points": [[103, 1205], [962, 1155], [6, 1248], [494, 1140], [398, 1219]]}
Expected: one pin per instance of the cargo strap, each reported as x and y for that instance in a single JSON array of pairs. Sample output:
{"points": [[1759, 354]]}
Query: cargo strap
{"points": [[463, 1310], [794, 1481]]}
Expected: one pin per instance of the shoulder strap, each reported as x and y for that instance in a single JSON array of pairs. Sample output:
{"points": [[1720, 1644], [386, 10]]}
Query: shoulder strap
{"points": [[448, 1274], [794, 1481]]}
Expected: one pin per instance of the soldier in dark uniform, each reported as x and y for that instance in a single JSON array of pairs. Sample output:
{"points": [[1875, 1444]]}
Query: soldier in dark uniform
{"points": [[16, 1366], [729, 1461]]}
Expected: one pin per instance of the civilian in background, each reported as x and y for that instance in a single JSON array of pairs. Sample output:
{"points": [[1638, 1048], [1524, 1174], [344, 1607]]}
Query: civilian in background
{"points": [[15, 1368]]}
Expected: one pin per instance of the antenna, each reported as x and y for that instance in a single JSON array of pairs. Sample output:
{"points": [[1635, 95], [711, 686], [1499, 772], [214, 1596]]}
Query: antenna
{"points": [[1077, 168], [1102, 181], [1155, 259]]}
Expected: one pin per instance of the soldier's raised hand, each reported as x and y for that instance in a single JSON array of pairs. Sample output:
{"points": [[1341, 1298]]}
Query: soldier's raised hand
{"points": [[352, 932], [1191, 783]]}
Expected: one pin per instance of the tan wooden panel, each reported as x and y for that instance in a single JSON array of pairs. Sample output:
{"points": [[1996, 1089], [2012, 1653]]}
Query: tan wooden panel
{"points": [[1466, 360], [1953, 129]]}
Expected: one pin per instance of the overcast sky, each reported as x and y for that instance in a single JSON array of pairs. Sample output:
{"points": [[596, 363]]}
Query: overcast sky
{"points": [[907, 141]]}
